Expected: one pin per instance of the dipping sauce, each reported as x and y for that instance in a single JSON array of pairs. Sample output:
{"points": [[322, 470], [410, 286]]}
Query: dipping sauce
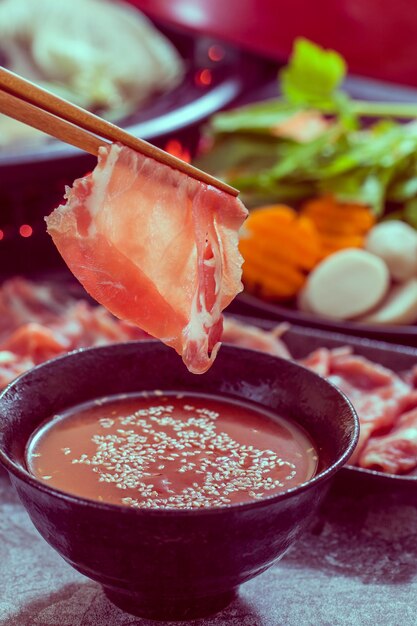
{"points": [[170, 450]]}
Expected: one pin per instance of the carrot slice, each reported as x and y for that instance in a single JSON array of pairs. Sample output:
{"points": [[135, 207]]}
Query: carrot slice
{"points": [[281, 269], [339, 224], [278, 250], [271, 286], [279, 247], [332, 212], [349, 241]]}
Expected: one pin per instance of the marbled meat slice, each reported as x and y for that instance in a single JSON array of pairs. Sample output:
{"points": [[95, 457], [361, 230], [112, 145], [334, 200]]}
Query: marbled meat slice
{"points": [[376, 392], [44, 322], [37, 342], [396, 452], [248, 336], [12, 365], [319, 361], [22, 302], [155, 247]]}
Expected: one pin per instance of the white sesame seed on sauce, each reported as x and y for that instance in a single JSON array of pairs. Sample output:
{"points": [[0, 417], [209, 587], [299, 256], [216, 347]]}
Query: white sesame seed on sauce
{"points": [[172, 450]]}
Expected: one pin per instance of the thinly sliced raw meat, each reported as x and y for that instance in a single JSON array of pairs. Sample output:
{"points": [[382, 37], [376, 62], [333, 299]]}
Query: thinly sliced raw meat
{"points": [[22, 302], [12, 365], [155, 247], [40, 321], [248, 336], [36, 341], [318, 361], [395, 453], [377, 393], [44, 321]]}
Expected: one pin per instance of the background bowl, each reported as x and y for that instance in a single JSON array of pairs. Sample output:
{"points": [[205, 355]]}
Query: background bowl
{"points": [[251, 306], [167, 563]]}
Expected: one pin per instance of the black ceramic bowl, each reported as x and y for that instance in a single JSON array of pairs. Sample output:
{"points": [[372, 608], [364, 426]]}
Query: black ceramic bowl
{"points": [[166, 563]]}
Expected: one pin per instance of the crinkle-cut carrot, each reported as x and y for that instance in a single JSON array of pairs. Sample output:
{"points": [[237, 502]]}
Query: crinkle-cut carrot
{"points": [[349, 241], [295, 247], [278, 251], [330, 203], [279, 268], [334, 245], [328, 210], [268, 285], [279, 248], [275, 212], [339, 224], [282, 231]]}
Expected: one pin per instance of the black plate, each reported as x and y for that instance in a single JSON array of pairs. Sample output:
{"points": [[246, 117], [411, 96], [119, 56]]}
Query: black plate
{"points": [[301, 341], [246, 304]]}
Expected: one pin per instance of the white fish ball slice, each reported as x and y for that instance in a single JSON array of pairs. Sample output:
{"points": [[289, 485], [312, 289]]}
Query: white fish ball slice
{"points": [[395, 243], [347, 284], [399, 306]]}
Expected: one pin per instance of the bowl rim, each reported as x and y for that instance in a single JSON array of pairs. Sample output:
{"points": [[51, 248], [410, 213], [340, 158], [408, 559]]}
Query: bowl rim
{"points": [[25, 476]]}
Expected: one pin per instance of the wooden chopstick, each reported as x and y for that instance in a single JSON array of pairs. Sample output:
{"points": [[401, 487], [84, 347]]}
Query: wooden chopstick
{"points": [[51, 124], [37, 107]]}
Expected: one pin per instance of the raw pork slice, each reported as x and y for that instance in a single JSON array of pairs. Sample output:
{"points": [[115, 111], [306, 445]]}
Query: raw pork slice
{"points": [[396, 452], [376, 392], [156, 247], [248, 336]]}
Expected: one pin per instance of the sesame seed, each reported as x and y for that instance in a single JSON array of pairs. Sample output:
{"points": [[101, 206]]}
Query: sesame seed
{"points": [[215, 469]]}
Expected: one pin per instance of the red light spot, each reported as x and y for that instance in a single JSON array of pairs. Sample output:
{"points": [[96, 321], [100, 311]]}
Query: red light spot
{"points": [[215, 53], [203, 78], [176, 148], [25, 230], [1, 235]]}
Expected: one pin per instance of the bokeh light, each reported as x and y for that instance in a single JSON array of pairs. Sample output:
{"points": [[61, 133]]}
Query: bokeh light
{"points": [[25, 230], [203, 78], [215, 53]]}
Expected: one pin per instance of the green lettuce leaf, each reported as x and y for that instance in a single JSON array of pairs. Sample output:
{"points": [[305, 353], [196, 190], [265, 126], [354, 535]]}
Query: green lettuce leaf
{"points": [[313, 76]]}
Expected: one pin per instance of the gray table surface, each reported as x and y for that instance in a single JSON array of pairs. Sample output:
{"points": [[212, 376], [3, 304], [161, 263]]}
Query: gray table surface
{"points": [[355, 566]]}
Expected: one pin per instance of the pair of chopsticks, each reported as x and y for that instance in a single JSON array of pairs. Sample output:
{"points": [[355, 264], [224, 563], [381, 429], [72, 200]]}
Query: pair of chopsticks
{"points": [[26, 102]]}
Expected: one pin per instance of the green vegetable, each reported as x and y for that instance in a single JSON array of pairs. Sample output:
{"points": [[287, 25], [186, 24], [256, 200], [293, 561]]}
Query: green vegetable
{"points": [[258, 148], [313, 77], [257, 118]]}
